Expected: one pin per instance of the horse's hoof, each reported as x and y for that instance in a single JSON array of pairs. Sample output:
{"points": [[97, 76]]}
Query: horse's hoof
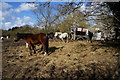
{"points": [[45, 53]]}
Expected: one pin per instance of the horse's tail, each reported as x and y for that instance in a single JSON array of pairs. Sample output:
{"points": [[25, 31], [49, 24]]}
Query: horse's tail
{"points": [[47, 44]]}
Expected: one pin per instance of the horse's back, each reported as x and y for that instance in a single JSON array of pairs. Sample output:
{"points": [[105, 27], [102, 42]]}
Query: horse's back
{"points": [[37, 38], [40, 36], [64, 35]]}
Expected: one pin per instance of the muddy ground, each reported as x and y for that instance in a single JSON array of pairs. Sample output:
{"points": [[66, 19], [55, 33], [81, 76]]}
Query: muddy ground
{"points": [[74, 60]]}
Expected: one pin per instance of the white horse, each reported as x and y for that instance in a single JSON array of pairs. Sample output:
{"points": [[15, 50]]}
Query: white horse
{"points": [[2, 38], [7, 37], [61, 36], [57, 34]]}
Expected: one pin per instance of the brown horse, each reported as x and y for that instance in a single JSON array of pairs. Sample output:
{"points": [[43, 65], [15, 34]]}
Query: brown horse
{"points": [[33, 39]]}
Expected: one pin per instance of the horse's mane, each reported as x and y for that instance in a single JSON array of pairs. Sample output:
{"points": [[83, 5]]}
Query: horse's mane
{"points": [[23, 35]]}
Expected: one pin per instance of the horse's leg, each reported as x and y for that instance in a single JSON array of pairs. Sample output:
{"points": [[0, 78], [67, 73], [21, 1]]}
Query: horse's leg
{"points": [[55, 39], [26, 45], [30, 49], [67, 38], [62, 39], [33, 47], [41, 48], [88, 40], [45, 46], [91, 39], [45, 51]]}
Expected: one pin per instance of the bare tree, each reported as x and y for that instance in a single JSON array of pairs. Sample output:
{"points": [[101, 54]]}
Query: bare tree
{"points": [[48, 14]]}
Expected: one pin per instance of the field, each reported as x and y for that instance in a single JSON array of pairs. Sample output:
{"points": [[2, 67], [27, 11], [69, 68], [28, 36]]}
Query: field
{"points": [[74, 60]]}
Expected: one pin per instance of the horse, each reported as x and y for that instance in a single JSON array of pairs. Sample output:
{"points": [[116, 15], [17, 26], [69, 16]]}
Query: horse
{"points": [[82, 34], [2, 38], [90, 35], [57, 34], [7, 37], [61, 36], [34, 39], [50, 35]]}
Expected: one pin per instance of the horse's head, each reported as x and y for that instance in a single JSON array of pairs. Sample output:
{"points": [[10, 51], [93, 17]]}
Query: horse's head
{"points": [[57, 34], [51, 35], [17, 38]]}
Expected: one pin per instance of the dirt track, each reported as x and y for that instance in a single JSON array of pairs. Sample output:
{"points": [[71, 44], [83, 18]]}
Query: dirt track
{"points": [[76, 59]]}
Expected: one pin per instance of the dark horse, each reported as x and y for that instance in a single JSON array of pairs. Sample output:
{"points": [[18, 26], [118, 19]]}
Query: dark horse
{"points": [[85, 35], [90, 35], [51, 35], [33, 39]]}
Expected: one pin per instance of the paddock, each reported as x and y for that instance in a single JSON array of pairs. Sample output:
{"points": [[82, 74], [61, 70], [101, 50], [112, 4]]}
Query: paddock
{"points": [[65, 58]]}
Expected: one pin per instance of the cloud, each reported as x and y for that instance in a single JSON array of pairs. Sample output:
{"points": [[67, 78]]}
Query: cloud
{"points": [[7, 12], [9, 16], [31, 23], [25, 7], [6, 25], [22, 21], [1, 17], [26, 18], [3, 10], [4, 6], [17, 23], [1, 24]]}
